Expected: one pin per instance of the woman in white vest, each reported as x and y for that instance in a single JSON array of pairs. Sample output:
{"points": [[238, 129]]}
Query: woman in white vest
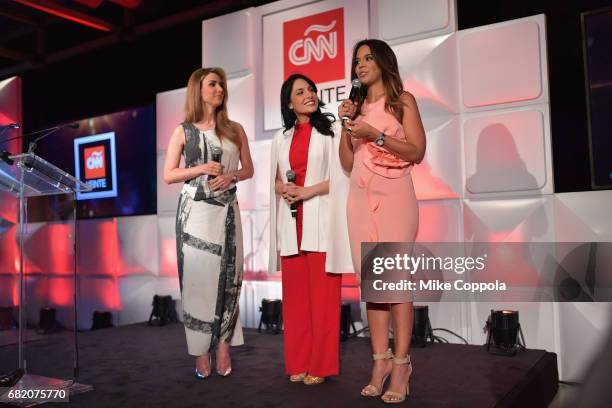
{"points": [[304, 153]]}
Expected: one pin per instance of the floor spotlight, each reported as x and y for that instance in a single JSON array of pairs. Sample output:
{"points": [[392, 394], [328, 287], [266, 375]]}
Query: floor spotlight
{"points": [[47, 322], [6, 318], [504, 331], [421, 327], [164, 311], [346, 322], [271, 315], [101, 320]]}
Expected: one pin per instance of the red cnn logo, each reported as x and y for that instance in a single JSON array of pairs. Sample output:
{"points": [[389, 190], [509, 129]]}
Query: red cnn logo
{"points": [[314, 46], [95, 162]]}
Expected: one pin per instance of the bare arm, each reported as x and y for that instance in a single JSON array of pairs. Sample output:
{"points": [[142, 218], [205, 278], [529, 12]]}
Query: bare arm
{"points": [[412, 149], [346, 109], [172, 172], [246, 170]]}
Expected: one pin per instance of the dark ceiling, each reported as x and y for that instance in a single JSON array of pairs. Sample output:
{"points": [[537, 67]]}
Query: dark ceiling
{"points": [[34, 33]]}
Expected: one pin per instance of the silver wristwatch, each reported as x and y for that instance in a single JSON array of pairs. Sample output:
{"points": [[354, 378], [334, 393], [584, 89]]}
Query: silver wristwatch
{"points": [[380, 140]]}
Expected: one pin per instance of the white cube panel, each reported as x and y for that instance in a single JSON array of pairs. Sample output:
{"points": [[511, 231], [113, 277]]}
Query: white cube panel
{"points": [[406, 20], [227, 42], [508, 152], [440, 221], [509, 220], [241, 103], [583, 216], [440, 174], [169, 113], [503, 63], [429, 70]]}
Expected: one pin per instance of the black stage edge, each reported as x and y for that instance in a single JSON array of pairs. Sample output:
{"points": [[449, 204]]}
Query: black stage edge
{"points": [[138, 365]]}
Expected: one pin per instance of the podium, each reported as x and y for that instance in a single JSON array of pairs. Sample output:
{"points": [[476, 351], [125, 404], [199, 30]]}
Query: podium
{"points": [[23, 176]]}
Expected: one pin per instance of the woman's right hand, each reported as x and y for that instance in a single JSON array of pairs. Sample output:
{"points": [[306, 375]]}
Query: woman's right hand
{"points": [[211, 168], [346, 109], [285, 193]]}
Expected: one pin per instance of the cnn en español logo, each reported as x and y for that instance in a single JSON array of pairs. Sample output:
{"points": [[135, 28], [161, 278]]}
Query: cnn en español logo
{"points": [[314, 45], [95, 165]]}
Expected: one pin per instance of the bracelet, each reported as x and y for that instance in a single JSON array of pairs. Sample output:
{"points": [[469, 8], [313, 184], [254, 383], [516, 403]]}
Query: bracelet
{"points": [[235, 179]]}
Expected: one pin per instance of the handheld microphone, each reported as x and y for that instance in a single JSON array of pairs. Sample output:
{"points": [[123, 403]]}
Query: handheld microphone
{"points": [[291, 179], [354, 94], [215, 153]]}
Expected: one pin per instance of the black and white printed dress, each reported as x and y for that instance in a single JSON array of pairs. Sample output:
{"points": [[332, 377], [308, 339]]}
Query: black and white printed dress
{"points": [[209, 248]]}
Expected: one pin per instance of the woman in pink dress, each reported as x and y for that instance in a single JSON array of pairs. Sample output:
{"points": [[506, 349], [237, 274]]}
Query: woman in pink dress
{"points": [[378, 146]]}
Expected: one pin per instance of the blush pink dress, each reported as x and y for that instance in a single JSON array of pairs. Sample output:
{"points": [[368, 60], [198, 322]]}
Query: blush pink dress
{"points": [[382, 205]]}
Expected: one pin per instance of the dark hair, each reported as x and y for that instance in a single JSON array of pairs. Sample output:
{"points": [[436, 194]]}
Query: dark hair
{"points": [[319, 120], [387, 62]]}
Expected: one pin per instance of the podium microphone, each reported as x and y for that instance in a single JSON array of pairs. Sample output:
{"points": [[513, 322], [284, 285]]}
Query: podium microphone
{"points": [[291, 179], [216, 153], [45, 133], [354, 95], [5, 155]]}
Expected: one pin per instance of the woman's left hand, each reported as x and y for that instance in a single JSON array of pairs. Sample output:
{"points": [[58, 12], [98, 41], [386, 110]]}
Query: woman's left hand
{"points": [[220, 182], [298, 193], [361, 130]]}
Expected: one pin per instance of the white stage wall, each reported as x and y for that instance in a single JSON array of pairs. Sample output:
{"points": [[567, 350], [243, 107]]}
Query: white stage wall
{"points": [[487, 174]]}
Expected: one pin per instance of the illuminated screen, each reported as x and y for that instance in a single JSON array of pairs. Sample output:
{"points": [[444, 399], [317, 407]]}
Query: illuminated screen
{"points": [[597, 28], [115, 154]]}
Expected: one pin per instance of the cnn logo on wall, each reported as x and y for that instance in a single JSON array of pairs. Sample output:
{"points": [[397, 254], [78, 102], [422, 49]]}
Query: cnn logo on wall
{"points": [[95, 163], [314, 46]]}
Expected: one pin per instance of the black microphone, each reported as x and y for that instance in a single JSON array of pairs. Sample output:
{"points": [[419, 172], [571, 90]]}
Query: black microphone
{"points": [[5, 155], [45, 133], [10, 126], [216, 153], [291, 179], [354, 94]]}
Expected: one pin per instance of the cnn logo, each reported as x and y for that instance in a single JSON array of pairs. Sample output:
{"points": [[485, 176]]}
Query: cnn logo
{"points": [[95, 162], [314, 45]]}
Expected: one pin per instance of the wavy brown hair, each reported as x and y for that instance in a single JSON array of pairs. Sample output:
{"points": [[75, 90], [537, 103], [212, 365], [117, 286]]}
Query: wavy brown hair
{"points": [[194, 109], [387, 63]]}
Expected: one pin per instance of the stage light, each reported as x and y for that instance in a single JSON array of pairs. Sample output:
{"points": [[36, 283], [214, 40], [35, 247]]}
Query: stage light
{"points": [[46, 321], [271, 315], [164, 311], [421, 327], [504, 330], [346, 322], [102, 320]]}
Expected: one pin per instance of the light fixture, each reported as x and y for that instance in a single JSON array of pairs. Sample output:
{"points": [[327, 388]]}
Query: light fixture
{"points": [[504, 331], [271, 315], [421, 327]]}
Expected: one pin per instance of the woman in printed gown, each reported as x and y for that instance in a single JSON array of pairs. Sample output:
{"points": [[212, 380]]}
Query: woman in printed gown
{"points": [[208, 229]]}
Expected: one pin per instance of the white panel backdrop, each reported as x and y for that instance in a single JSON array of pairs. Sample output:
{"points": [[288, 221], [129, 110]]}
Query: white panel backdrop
{"points": [[487, 174]]}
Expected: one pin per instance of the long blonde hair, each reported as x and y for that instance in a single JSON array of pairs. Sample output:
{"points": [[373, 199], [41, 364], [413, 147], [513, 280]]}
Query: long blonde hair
{"points": [[194, 109]]}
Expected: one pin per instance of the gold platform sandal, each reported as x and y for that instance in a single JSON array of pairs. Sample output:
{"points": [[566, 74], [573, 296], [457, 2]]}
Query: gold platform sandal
{"points": [[371, 390], [392, 397], [312, 380]]}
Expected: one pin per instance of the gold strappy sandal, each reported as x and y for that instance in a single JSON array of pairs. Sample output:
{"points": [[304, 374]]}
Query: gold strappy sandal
{"points": [[371, 390], [392, 397], [312, 380], [297, 377]]}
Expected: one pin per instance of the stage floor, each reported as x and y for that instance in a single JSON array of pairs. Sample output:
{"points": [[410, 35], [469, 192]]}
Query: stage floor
{"points": [[139, 365]]}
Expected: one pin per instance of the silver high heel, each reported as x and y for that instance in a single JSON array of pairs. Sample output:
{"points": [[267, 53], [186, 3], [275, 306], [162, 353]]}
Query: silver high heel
{"points": [[201, 376]]}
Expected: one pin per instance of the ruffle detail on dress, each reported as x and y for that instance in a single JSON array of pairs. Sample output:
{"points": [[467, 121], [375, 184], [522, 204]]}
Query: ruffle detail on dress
{"points": [[384, 163]]}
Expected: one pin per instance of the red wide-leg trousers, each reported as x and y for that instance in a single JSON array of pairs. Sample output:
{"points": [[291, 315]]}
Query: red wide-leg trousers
{"points": [[311, 314]]}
